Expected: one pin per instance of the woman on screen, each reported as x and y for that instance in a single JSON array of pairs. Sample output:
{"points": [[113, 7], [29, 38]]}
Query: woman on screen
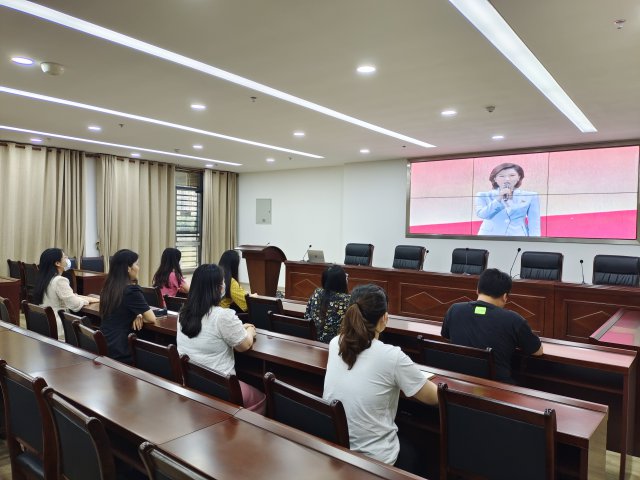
{"points": [[507, 210]]}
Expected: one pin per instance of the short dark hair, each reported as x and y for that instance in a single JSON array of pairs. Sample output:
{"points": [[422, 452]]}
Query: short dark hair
{"points": [[506, 166], [494, 283]]}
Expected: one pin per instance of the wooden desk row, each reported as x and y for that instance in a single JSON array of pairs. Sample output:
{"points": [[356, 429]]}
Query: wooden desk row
{"points": [[582, 425], [553, 309], [211, 435]]}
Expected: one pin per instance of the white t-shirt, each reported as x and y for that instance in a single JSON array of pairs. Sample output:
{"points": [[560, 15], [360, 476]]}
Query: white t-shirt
{"points": [[369, 393], [60, 296], [213, 347]]}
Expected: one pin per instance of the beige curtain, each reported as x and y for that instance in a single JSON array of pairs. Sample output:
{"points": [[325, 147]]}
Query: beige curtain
{"points": [[219, 214], [136, 204], [42, 202]]}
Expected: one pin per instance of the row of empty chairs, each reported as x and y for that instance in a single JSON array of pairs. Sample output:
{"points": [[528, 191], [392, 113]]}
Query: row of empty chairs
{"points": [[607, 269]]}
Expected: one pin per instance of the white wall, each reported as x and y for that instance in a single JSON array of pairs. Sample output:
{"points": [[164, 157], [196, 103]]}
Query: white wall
{"points": [[366, 202]]}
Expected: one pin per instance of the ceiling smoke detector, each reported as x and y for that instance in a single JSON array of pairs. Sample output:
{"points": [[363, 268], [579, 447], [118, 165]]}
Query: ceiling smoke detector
{"points": [[52, 68]]}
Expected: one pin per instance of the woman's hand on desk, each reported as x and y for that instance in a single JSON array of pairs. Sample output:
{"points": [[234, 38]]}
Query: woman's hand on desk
{"points": [[251, 330], [90, 300], [138, 322]]}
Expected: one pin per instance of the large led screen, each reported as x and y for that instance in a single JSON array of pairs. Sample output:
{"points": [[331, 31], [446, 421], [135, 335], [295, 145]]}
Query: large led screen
{"points": [[590, 194]]}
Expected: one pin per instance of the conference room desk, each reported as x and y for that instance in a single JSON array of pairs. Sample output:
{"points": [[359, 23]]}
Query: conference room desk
{"points": [[553, 309], [89, 282], [10, 288]]}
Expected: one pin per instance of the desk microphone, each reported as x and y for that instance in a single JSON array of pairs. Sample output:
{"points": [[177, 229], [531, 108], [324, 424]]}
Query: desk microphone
{"points": [[306, 253], [582, 270], [466, 257], [514, 262]]}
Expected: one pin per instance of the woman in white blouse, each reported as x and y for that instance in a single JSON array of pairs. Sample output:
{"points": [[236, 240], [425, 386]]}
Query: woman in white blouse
{"points": [[53, 290]]}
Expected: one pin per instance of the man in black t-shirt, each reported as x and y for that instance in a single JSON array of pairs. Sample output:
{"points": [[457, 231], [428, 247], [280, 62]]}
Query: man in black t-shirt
{"points": [[485, 323]]}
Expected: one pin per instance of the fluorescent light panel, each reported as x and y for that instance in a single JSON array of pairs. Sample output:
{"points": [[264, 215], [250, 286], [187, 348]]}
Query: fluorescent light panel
{"points": [[489, 22], [97, 31], [127, 147], [70, 103]]}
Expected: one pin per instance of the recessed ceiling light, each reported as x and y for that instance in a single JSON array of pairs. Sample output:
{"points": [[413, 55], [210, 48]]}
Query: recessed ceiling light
{"points": [[94, 128], [270, 160], [22, 60], [364, 150], [209, 165], [36, 140], [132, 116], [89, 28], [448, 113], [135, 154], [298, 134], [366, 69], [497, 137], [488, 21], [124, 147], [198, 147], [198, 106]]}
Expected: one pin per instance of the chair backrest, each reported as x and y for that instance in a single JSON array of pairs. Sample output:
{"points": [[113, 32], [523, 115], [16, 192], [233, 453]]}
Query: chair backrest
{"points": [[82, 445], [209, 381], [30, 278], [23, 410], [174, 303], [93, 264], [306, 412], [160, 360], [469, 260], [457, 358], [153, 296], [89, 338], [161, 466], [40, 319], [294, 326], [7, 312], [541, 265], [258, 309], [484, 438], [358, 254], [616, 270], [15, 269], [67, 320], [409, 256], [74, 262]]}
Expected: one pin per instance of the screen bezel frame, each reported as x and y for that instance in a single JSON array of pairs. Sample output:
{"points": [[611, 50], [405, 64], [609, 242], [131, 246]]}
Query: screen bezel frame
{"points": [[559, 148]]}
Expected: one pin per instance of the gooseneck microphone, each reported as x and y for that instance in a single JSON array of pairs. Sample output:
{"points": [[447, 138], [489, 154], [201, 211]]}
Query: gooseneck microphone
{"points": [[582, 270], [466, 258], [514, 262], [306, 253]]}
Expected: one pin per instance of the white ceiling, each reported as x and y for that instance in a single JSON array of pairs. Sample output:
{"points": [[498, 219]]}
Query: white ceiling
{"points": [[428, 56]]}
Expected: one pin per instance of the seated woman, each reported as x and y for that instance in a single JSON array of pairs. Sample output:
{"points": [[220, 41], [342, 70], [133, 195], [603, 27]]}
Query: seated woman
{"points": [[233, 296], [209, 333], [53, 290], [122, 304], [327, 305], [367, 375], [169, 275]]}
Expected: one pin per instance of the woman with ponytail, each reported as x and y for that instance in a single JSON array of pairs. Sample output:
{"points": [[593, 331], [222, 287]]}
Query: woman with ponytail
{"points": [[367, 376]]}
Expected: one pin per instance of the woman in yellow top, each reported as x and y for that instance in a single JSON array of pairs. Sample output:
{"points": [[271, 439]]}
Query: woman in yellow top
{"points": [[234, 294]]}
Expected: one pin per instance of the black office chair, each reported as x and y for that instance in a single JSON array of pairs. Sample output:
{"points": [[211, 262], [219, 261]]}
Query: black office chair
{"points": [[40, 320], [160, 360], [6, 311], [23, 411], [82, 446], [258, 309], [358, 254], [410, 257], [30, 279], [541, 265], [67, 320], [93, 264], [485, 438], [174, 303], [16, 271], [153, 296], [458, 358], [90, 339], [616, 270], [294, 326], [469, 260], [211, 382], [306, 412], [160, 466]]}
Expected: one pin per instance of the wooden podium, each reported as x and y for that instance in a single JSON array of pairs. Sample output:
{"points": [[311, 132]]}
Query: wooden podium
{"points": [[263, 266]]}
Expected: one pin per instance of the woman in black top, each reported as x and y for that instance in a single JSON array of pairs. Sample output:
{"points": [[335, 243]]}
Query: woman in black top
{"points": [[122, 304]]}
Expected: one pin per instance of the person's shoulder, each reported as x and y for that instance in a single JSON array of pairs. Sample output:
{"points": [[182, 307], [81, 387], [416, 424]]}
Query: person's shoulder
{"points": [[132, 288], [59, 279], [381, 348], [458, 307]]}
